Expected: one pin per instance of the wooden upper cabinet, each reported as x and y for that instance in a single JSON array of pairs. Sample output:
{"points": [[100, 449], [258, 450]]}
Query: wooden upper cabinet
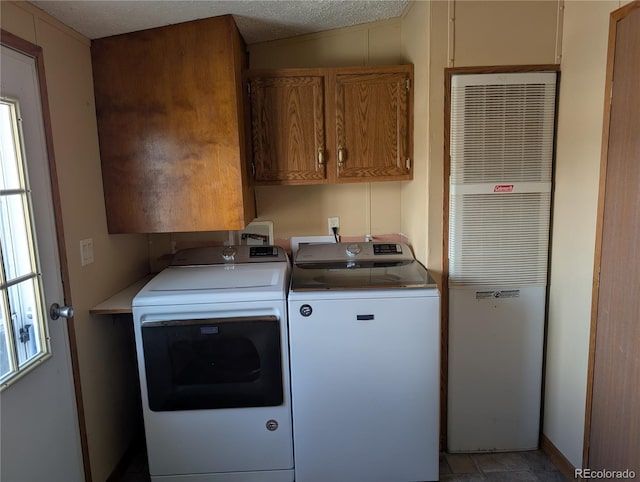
{"points": [[373, 124], [288, 125], [170, 111], [335, 125]]}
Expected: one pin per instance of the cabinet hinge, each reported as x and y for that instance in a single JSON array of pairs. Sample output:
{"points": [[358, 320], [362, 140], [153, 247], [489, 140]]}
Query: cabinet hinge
{"points": [[408, 83], [408, 163], [249, 88], [253, 169]]}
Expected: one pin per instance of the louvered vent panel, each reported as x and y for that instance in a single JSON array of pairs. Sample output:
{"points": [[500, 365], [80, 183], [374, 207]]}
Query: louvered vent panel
{"points": [[502, 127], [499, 239], [501, 148]]}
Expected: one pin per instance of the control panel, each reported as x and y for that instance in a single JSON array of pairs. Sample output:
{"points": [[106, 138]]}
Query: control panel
{"points": [[263, 252], [228, 255], [387, 248], [353, 252]]}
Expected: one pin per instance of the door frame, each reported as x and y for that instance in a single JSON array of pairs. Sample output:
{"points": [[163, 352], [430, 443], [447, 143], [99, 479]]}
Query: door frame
{"points": [[614, 18], [27, 48]]}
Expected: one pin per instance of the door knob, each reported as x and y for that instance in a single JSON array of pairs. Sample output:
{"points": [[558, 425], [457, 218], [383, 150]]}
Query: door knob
{"points": [[56, 311]]}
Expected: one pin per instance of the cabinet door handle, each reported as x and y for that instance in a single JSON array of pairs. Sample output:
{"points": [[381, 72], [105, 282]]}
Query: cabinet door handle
{"points": [[341, 153], [320, 157]]}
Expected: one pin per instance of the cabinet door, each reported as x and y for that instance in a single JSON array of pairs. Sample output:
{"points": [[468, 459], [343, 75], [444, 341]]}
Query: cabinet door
{"points": [[170, 121], [373, 125], [287, 116]]}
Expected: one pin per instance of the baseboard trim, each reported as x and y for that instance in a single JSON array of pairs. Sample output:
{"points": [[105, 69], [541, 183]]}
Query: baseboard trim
{"points": [[565, 467]]}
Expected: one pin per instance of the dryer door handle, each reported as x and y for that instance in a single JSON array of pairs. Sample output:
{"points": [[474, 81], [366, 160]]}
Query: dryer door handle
{"points": [[365, 317]]}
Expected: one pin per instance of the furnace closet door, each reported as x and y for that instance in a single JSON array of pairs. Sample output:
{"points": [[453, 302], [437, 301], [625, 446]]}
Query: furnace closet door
{"points": [[614, 438]]}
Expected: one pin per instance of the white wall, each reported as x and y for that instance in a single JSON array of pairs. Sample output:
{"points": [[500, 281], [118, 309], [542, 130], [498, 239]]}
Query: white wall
{"points": [[581, 110]]}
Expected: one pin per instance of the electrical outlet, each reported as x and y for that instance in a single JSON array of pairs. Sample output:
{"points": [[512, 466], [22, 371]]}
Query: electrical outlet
{"points": [[86, 251], [333, 222]]}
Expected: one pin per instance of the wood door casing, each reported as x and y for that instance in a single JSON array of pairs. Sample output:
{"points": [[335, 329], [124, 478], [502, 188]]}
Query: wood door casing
{"points": [[612, 435], [288, 128], [373, 125]]}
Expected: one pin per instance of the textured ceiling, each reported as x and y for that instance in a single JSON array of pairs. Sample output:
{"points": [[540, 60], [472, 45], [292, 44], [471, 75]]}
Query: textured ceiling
{"points": [[258, 20]]}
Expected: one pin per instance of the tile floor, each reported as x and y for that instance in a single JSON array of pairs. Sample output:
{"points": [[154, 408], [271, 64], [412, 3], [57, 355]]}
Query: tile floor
{"points": [[502, 467]]}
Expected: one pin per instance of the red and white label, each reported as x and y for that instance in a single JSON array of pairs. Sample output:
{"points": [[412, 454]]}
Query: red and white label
{"points": [[503, 188]]}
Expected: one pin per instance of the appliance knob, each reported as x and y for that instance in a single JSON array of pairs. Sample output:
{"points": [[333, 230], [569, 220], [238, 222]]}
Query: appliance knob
{"points": [[229, 253], [306, 310], [353, 249]]}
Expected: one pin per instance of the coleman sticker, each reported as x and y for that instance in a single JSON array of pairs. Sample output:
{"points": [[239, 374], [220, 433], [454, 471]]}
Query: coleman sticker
{"points": [[503, 188]]}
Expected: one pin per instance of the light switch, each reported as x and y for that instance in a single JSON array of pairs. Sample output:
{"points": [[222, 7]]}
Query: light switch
{"points": [[86, 251]]}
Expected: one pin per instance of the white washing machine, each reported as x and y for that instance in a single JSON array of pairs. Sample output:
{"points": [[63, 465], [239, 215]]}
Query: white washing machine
{"points": [[211, 339], [364, 335]]}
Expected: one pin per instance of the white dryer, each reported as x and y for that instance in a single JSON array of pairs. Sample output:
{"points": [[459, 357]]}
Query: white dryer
{"points": [[365, 364], [211, 339]]}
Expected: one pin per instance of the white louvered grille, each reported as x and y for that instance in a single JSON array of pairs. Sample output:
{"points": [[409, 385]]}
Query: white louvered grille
{"points": [[499, 239], [502, 128]]}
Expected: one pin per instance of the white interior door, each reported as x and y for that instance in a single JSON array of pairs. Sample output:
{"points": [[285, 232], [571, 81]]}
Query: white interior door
{"points": [[39, 438]]}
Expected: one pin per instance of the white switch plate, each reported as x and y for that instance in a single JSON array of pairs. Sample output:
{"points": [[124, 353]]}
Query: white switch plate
{"points": [[86, 251]]}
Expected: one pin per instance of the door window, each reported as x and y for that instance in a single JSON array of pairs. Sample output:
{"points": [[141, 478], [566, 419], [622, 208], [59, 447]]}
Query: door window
{"points": [[23, 327]]}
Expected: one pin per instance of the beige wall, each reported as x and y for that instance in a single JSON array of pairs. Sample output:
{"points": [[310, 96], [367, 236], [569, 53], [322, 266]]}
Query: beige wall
{"points": [[438, 60], [373, 43], [584, 54], [414, 215], [364, 208], [504, 32], [109, 385]]}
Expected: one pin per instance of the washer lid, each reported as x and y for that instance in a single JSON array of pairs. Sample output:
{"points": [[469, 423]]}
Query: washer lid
{"points": [[341, 266], [215, 284]]}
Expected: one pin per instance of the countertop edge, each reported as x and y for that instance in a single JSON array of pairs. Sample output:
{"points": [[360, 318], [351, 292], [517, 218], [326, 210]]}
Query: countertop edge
{"points": [[121, 302]]}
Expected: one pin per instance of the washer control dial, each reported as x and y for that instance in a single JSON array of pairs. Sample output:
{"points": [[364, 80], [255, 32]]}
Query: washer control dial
{"points": [[229, 253], [353, 249]]}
